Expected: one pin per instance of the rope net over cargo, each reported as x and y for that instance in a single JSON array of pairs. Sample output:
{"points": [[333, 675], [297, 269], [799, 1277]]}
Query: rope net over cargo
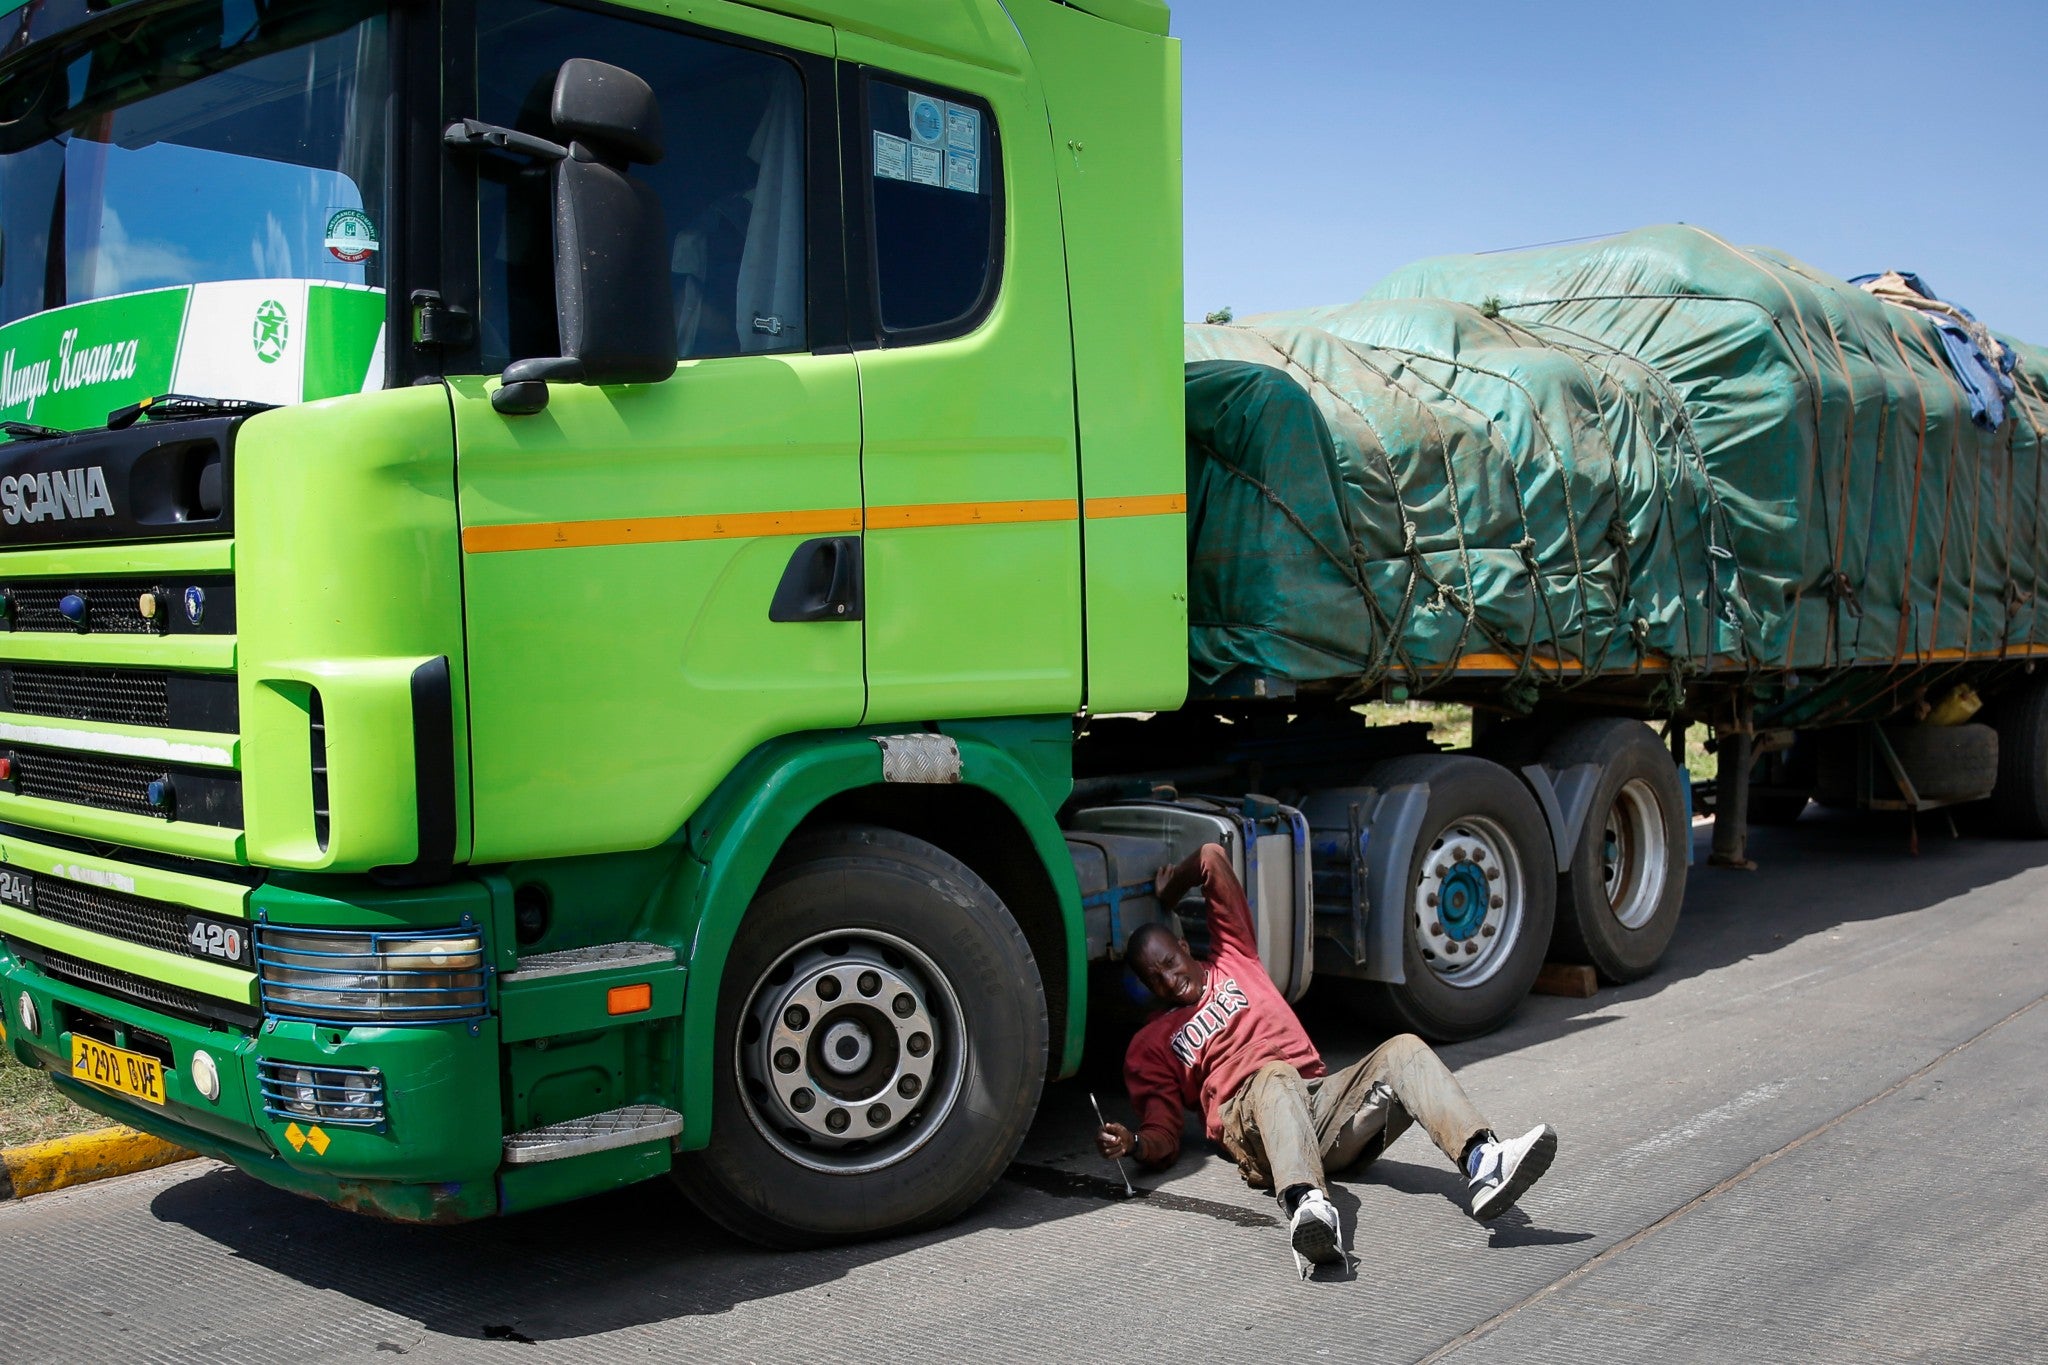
{"points": [[1655, 455]]}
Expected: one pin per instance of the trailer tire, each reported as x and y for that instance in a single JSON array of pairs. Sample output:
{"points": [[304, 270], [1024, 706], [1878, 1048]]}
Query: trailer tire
{"points": [[2019, 802], [1480, 815], [1620, 896], [863, 946]]}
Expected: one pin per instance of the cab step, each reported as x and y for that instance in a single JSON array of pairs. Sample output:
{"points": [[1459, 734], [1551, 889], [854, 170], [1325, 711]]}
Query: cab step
{"points": [[624, 1127], [601, 957]]}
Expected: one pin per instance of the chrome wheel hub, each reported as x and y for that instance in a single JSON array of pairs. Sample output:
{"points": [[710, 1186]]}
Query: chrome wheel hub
{"points": [[850, 1051]]}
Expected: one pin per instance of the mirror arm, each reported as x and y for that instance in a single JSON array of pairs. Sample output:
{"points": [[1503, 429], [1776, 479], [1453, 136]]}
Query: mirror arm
{"points": [[470, 135], [524, 390]]}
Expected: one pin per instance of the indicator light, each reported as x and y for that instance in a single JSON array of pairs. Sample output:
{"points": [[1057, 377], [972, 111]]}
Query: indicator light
{"points": [[25, 1010], [146, 604], [162, 794], [206, 1076], [629, 999], [7, 769], [71, 606]]}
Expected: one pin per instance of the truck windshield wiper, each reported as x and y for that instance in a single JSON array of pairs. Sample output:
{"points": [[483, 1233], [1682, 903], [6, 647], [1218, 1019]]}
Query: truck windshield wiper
{"points": [[171, 407], [29, 431]]}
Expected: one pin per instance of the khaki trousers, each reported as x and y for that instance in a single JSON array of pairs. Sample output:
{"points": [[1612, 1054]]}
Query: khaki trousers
{"points": [[1285, 1131]]}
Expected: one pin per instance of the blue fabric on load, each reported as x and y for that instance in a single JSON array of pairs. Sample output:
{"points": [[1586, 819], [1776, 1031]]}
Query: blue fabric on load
{"points": [[1987, 379]]}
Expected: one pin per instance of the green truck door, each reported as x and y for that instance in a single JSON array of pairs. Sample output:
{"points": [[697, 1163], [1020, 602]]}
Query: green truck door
{"points": [[622, 547], [973, 544]]}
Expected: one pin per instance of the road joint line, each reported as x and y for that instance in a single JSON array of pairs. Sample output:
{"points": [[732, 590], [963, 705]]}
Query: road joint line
{"points": [[1587, 1267]]}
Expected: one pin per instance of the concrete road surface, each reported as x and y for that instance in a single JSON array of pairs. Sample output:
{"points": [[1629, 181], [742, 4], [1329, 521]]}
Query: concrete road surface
{"points": [[1815, 1135]]}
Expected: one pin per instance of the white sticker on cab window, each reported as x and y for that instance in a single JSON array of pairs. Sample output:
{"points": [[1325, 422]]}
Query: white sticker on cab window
{"points": [[892, 157], [962, 171], [963, 128], [927, 120], [927, 166]]}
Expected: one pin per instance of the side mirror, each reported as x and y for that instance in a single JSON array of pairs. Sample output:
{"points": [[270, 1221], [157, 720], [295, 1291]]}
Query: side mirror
{"points": [[613, 304]]}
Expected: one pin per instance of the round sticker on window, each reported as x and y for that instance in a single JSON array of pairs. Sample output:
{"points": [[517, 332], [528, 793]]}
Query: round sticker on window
{"points": [[351, 236], [927, 120]]}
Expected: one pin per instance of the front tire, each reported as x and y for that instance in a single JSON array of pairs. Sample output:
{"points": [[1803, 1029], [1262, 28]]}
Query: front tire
{"points": [[881, 1043], [1483, 894]]}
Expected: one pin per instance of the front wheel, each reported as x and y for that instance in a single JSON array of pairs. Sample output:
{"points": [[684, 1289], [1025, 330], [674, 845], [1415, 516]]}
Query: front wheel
{"points": [[881, 1045], [1482, 884]]}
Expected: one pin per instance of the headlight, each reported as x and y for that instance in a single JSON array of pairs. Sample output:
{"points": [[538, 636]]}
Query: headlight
{"points": [[352, 977]]}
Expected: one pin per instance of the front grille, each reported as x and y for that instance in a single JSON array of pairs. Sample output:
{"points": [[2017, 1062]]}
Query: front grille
{"points": [[174, 1000], [123, 696], [132, 919], [113, 606], [338, 1096], [197, 795], [91, 694]]}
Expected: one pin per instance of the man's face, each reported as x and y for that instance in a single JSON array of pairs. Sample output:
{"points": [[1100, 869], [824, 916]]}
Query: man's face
{"points": [[1169, 970]]}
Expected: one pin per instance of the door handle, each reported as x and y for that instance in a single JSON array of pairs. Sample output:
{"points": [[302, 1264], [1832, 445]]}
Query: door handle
{"points": [[824, 582]]}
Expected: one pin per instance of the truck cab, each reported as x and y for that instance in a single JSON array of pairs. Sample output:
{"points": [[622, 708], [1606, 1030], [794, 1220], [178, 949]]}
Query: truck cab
{"points": [[503, 495]]}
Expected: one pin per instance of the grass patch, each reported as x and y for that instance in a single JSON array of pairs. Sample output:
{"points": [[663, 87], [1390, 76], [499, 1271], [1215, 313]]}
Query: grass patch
{"points": [[31, 1110]]}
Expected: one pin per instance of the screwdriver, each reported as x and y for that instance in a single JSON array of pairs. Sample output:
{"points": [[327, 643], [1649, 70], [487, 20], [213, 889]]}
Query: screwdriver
{"points": [[1129, 1193]]}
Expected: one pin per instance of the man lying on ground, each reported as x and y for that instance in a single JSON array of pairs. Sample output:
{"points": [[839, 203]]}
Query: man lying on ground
{"points": [[1228, 1042]]}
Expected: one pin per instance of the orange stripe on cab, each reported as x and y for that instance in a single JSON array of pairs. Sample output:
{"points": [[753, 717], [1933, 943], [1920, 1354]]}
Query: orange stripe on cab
{"points": [[566, 535], [1152, 505], [971, 513]]}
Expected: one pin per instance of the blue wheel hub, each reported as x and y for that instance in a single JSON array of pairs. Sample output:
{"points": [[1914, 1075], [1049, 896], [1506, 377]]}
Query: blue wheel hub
{"points": [[1462, 897]]}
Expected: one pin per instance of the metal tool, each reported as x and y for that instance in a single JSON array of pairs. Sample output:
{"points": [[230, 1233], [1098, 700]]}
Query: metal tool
{"points": [[1129, 1192]]}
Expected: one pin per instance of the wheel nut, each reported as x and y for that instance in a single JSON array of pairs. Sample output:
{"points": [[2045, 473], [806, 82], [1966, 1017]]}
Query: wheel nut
{"points": [[1458, 854], [919, 1044], [1436, 927], [1489, 929], [837, 1120], [802, 1100], [1499, 901], [878, 1115], [786, 1060], [904, 1006], [1470, 947], [1430, 900], [828, 988], [1478, 855], [908, 1087], [869, 983], [1493, 874], [795, 1017]]}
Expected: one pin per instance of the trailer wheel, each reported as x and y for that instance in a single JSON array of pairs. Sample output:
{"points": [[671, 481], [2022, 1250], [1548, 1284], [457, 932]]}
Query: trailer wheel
{"points": [[1483, 885], [1618, 901], [2020, 800], [881, 1045]]}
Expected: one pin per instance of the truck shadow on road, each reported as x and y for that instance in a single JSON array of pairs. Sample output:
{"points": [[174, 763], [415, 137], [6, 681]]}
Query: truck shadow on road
{"points": [[644, 1255]]}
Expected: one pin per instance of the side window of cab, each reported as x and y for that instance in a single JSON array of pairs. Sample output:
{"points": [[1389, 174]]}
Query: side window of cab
{"points": [[933, 191], [733, 186]]}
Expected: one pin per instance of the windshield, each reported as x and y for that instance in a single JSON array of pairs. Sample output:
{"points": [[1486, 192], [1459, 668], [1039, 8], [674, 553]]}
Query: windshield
{"points": [[216, 141]]}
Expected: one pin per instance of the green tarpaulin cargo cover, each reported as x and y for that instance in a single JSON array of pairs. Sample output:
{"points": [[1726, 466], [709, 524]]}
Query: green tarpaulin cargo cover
{"points": [[1658, 454]]}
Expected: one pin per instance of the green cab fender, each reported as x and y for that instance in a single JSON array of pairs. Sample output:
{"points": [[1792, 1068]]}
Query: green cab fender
{"points": [[735, 836]]}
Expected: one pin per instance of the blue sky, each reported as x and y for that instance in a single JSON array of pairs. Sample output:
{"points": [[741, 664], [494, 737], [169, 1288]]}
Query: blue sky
{"points": [[1330, 141]]}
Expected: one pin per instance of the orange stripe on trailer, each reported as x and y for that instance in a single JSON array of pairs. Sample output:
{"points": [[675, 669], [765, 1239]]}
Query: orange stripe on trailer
{"points": [[569, 535], [1151, 505], [971, 513]]}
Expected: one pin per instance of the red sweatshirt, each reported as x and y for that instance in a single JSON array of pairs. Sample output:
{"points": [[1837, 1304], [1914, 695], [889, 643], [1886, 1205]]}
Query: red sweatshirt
{"points": [[1202, 1053]]}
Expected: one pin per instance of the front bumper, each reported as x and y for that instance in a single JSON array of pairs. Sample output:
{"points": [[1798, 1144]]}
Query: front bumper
{"points": [[432, 1153]]}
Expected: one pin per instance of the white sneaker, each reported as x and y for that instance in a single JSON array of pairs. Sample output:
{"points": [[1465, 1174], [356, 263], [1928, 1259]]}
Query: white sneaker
{"points": [[1315, 1233], [1506, 1170]]}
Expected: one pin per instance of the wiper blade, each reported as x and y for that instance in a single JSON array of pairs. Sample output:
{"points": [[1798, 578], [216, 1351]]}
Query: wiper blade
{"points": [[29, 431], [171, 407]]}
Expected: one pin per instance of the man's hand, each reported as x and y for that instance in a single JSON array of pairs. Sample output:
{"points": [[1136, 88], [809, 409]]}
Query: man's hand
{"points": [[1114, 1140], [1170, 884]]}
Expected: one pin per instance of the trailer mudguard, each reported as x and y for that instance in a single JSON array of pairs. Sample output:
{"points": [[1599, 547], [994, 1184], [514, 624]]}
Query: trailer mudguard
{"points": [[1389, 853], [736, 835]]}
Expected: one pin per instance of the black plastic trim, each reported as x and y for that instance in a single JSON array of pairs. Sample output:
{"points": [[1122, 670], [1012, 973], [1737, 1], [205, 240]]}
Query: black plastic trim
{"points": [[825, 581], [433, 763], [153, 476]]}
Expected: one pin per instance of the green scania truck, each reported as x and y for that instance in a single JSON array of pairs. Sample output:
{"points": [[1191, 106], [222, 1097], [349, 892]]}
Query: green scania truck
{"points": [[592, 591]]}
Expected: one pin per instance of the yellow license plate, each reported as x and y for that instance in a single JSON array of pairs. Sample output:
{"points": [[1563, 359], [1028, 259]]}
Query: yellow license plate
{"points": [[110, 1068]]}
